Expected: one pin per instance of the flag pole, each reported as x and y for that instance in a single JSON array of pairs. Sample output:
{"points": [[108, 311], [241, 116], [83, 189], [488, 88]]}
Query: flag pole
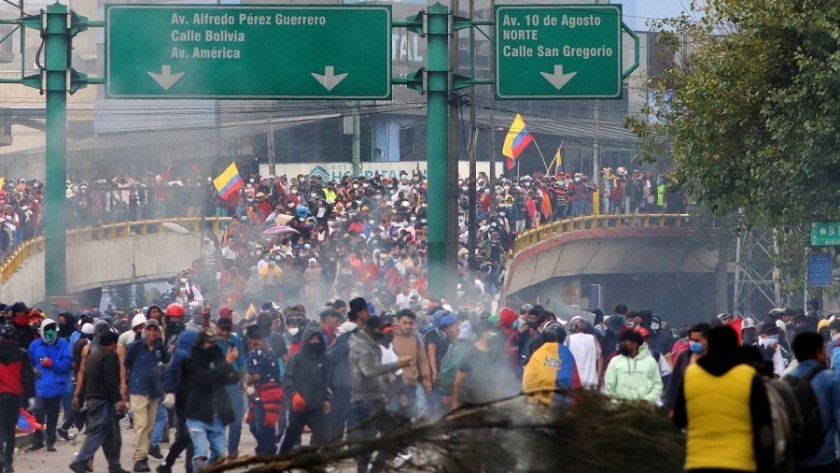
{"points": [[540, 151], [557, 163], [517, 170]]}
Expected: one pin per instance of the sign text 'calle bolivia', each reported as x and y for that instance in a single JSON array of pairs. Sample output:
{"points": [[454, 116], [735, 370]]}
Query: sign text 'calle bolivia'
{"points": [[235, 52]]}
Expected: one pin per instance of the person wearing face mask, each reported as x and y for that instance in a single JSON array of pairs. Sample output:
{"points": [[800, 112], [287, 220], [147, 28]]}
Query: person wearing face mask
{"points": [[697, 336], [306, 383], [581, 196], [660, 341], [483, 375], [367, 389], [52, 359], [633, 375], [748, 335], [769, 345]]}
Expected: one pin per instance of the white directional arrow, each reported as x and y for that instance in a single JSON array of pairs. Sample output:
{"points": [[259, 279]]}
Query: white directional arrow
{"points": [[330, 79], [166, 78], [558, 79]]}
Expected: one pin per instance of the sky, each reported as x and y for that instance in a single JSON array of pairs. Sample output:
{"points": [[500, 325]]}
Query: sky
{"points": [[636, 12]]}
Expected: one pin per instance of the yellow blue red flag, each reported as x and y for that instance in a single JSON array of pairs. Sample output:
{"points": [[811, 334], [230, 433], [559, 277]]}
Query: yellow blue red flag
{"points": [[518, 138], [228, 181]]}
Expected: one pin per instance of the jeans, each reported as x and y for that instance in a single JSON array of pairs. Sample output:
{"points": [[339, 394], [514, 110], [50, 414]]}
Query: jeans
{"points": [[313, 417], [366, 426], [67, 401], [144, 409], [9, 408], [182, 442], [578, 208], [160, 424], [208, 441], [102, 430], [237, 400], [340, 413], [46, 413], [264, 434]]}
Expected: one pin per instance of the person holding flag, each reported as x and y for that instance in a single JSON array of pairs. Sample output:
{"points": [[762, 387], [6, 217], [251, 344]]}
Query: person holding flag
{"points": [[17, 383], [228, 182], [518, 138]]}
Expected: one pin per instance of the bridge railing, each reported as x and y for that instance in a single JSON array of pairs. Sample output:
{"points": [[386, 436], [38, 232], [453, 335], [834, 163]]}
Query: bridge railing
{"points": [[103, 232], [550, 230]]}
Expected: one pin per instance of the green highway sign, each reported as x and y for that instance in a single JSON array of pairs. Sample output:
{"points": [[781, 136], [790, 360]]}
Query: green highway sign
{"points": [[237, 52], [558, 52], [825, 233]]}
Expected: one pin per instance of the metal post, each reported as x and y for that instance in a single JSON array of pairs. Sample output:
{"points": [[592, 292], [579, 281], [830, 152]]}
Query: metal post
{"points": [[271, 158], [492, 177], [437, 80], [473, 225], [57, 52], [357, 133]]}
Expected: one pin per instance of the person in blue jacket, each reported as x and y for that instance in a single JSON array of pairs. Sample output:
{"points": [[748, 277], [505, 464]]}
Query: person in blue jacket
{"points": [[51, 358], [177, 398], [809, 349]]}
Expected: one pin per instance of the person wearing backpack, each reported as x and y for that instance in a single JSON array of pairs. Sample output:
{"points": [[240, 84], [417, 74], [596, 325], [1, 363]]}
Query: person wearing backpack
{"points": [[724, 408], [814, 445]]}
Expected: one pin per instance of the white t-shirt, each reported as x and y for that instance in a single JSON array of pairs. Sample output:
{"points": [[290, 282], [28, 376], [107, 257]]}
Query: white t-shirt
{"points": [[585, 349]]}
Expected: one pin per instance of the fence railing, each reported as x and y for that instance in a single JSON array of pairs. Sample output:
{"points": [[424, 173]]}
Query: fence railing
{"points": [[29, 247], [550, 230]]}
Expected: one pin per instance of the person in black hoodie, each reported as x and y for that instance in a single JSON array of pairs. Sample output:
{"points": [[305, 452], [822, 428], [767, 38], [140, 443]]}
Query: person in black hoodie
{"points": [[208, 409], [17, 383], [307, 385]]}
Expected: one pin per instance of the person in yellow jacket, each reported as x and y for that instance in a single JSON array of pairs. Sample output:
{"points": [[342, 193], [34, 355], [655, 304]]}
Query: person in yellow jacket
{"points": [[724, 408]]}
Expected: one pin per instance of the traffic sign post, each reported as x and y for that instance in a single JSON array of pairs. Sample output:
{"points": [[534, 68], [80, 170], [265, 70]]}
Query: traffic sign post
{"points": [[559, 52], [825, 233], [238, 52]]}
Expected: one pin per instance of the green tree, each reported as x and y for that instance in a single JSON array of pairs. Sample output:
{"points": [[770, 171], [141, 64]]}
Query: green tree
{"points": [[750, 109]]}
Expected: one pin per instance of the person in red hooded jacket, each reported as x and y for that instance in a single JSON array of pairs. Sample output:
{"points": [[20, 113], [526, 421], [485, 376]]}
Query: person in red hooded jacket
{"points": [[507, 317]]}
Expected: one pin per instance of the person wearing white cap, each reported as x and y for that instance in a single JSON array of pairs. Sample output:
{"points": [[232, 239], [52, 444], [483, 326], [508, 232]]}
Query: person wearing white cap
{"points": [[138, 323]]}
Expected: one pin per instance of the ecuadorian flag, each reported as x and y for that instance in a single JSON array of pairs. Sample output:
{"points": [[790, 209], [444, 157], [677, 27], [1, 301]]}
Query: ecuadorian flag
{"points": [[518, 138], [228, 182], [26, 423], [551, 376]]}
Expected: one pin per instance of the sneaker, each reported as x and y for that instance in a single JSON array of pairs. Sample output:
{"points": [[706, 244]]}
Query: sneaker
{"points": [[78, 467], [163, 468], [50, 448], [35, 447], [154, 451], [401, 459], [141, 466], [63, 433]]}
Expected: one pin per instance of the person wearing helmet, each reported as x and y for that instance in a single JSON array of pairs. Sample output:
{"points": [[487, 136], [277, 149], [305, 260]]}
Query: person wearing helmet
{"points": [[748, 335], [174, 322], [17, 382], [138, 323], [51, 357], [551, 374]]}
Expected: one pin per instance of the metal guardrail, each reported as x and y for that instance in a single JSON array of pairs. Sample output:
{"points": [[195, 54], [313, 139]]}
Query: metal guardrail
{"points": [[590, 222], [111, 230]]}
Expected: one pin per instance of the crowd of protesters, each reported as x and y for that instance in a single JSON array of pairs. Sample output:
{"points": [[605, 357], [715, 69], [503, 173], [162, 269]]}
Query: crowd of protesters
{"points": [[737, 384]]}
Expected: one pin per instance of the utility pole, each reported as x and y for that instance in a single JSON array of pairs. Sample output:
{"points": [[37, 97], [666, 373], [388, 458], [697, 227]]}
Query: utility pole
{"points": [[473, 225], [271, 166], [454, 145], [437, 80], [492, 178], [57, 50], [357, 132]]}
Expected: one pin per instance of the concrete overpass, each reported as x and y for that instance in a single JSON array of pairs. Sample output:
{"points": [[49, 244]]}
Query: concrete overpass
{"points": [[655, 261], [120, 253]]}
